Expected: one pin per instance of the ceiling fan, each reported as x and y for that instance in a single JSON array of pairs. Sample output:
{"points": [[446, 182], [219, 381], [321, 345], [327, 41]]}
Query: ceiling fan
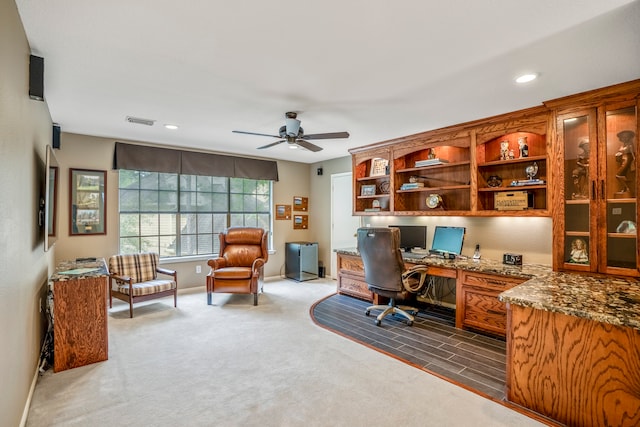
{"points": [[293, 134]]}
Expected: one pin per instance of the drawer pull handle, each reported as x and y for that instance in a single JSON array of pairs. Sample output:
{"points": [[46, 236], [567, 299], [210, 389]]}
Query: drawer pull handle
{"points": [[499, 313]]}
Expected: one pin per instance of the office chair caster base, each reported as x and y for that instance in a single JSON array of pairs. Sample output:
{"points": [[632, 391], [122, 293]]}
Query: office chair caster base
{"points": [[378, 322], [367, 313]]}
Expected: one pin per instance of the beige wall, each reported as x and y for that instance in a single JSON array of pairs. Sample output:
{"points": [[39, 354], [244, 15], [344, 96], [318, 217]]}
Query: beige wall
{"points": [[90, 152], [25, 130]]}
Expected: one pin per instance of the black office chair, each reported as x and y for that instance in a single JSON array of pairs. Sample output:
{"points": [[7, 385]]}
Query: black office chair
{"points": [[385, 273]]}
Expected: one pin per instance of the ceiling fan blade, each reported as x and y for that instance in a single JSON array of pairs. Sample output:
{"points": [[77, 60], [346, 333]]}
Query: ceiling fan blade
{"points": [[309, 146], [254, 133], [271, 145], [330, 135]]}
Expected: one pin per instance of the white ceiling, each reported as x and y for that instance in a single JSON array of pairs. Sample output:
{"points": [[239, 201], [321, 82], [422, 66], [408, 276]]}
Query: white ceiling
{"points": [[374, 68]]}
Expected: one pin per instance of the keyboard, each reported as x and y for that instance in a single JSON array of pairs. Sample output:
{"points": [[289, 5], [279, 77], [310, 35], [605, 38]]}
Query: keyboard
{"points": [[414, 255]]}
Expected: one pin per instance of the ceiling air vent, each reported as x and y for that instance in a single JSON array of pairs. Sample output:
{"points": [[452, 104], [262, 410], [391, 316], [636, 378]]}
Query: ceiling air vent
{"points": [[139, 121]]}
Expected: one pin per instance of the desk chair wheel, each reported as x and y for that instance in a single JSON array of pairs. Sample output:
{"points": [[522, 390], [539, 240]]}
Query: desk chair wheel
{"points": [[367, 313], [378, 322], [409, 323]]}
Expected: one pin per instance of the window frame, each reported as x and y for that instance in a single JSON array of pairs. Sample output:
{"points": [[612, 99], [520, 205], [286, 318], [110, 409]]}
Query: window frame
{"points": [[131, 202]]}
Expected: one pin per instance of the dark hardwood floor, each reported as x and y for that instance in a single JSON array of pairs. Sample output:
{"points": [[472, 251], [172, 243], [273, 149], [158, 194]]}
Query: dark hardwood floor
{"points": [[432, 343]]}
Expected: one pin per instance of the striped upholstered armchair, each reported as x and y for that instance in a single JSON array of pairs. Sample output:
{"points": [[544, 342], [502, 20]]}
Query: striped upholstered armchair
{"points": [[134, 278]]}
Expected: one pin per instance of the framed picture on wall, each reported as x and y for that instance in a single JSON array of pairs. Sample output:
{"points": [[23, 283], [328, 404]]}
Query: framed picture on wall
{"points": [[88, 204], [283, 212], [300, 203]]}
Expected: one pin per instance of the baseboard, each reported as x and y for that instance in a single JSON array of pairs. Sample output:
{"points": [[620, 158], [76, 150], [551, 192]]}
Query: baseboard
{"points": [[27, 405]]}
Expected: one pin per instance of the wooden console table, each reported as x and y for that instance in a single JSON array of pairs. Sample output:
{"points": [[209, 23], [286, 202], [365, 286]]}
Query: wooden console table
{"points": [[79, 314]]}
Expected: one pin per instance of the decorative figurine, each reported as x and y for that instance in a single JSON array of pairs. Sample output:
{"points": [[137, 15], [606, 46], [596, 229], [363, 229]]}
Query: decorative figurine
{"points": [[512, 154], [524, 147], [504, 150], [583, 157], [494, 181], [579, 253], [625, 157], [579, 177], [531, 170]]}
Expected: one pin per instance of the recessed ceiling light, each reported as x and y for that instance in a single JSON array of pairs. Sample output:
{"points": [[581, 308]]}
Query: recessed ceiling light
{"points": [[172, 127], [525, 78]]}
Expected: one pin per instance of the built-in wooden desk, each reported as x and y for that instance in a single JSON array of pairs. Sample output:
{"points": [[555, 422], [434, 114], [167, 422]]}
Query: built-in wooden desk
{"points": [[478, 284]]}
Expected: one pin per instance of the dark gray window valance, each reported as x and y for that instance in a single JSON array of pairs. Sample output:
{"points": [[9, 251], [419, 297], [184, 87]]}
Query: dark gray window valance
{"points": [[154, 159]]}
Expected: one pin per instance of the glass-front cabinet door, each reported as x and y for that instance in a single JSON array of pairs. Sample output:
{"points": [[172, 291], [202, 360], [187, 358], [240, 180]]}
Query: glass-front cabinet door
{"points": [[618, 190], [598, 215], [578, 140]]}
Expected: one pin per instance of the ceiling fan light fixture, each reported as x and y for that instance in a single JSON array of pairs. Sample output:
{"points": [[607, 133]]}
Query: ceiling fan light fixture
{"points": [[293, 126], [293, 147], [171, 127]]}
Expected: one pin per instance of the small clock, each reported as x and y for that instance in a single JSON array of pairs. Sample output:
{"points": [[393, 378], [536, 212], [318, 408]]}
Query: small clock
{"points": [[433, 201]]}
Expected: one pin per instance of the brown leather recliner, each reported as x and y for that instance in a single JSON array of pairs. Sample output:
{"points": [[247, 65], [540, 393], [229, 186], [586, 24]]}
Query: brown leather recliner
{"points": [[237, 270]]}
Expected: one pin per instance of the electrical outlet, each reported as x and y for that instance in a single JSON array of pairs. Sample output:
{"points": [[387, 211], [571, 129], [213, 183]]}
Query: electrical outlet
{"points": [[198, 269]]}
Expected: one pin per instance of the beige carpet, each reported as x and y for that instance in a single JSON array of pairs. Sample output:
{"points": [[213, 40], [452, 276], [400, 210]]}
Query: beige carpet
{"points": [[233, 364]]}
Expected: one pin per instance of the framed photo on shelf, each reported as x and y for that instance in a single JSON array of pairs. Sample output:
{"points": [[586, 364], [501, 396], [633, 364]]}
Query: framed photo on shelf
{"points": [[368, 190], [379, 167], [88, 203]]}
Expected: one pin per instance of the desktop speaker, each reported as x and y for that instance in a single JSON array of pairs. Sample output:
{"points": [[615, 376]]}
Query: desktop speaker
{"points": [[36, 78], [55, 143]]}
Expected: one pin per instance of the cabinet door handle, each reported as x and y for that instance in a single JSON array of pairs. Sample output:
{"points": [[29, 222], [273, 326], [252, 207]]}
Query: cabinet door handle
{"points": [[500, 313], [602, 189], [593, 190]]}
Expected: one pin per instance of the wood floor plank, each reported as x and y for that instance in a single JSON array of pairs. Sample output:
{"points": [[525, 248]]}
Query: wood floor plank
{"points": [[432, 343]]}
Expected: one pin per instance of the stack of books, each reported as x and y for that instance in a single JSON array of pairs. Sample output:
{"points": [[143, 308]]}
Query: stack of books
{"points": [[430, 162], [411, 185], [522, 182]]}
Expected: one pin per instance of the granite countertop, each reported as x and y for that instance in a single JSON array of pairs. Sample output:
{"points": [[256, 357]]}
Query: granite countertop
{"points": [[73, 270], [607, 299]]}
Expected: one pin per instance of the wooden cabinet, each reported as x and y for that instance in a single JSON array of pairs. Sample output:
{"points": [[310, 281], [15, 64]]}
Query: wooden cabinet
{"points": [[372, 182], [433, 170], [477, 304], [80, 334], [595, 226], [451, 171], [351, 277], [577, 371], [512, 158]]}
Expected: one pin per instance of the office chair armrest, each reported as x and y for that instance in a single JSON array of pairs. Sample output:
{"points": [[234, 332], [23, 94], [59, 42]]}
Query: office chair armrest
{"points": [[411, 282]]}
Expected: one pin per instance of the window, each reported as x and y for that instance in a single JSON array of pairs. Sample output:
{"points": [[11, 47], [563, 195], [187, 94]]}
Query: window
{"points": [[181, 215]]}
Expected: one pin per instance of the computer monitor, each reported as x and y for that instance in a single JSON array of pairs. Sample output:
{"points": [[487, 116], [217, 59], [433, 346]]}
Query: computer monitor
{"points": [[447, 240], [412, 236]]}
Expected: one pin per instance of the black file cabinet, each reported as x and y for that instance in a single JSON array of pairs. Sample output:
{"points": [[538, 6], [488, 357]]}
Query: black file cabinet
{"points": [[301, 261]]}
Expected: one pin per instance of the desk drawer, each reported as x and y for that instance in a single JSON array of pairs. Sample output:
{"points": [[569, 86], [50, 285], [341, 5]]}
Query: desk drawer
{"points": [[484, 311], [501, 283], [351, 264], [354, 286]]}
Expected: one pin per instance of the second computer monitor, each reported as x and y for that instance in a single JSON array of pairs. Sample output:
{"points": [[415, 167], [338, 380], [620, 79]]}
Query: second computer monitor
{"points": [[447, 240], [412, 236]]}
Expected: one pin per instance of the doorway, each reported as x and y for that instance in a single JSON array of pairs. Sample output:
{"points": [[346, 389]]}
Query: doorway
{"points": [[343, 224]]}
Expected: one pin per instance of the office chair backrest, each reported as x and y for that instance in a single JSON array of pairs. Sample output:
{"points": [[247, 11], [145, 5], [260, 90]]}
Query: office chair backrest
{"points": [[380, 252]]}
